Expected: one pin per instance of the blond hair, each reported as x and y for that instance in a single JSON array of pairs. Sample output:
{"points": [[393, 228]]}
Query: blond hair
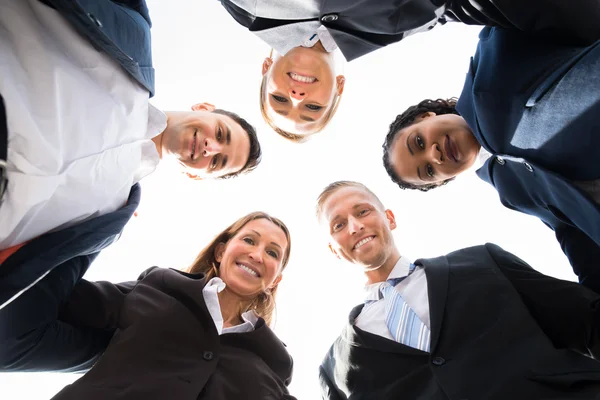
{"points": [[335, 186], [206, 263]]}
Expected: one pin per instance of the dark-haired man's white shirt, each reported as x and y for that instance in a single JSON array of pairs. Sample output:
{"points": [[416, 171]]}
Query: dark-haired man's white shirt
{"points": [[80, 128], [413, 290]]}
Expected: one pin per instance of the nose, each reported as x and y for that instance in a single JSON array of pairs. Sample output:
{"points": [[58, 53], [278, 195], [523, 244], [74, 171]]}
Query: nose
{"points": [[435, 154], [355, 226], [297, 93], [256, 256], [211, 147]]}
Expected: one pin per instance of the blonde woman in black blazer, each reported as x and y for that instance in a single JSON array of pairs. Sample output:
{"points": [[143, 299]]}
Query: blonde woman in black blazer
{"points": [[200, 334]]}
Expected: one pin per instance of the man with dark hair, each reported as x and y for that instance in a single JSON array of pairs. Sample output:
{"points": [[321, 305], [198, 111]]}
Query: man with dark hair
{"points": [[75, 82], [77, 132], [478, 323]]}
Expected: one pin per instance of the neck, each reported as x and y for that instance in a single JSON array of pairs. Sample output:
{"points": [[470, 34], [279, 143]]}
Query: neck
{"points": [[381, 273], [319, 46], [231, 307]]}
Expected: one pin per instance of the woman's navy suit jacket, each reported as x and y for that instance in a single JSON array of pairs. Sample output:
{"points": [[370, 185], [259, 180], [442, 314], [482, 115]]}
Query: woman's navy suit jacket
{"points": [[535, 105]]}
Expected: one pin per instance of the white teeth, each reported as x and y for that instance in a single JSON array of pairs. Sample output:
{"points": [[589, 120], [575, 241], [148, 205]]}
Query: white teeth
{"points": [[365, 240], [302, 78], [242, 266]]}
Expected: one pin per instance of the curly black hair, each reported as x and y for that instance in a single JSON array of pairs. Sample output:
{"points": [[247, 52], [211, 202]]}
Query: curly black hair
{"points": [[407, 118]]}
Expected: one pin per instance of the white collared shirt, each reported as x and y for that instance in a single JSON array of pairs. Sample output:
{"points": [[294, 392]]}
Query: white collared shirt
{"points": [[413, 290], [324, 36], [79, 127], [211, 298]]}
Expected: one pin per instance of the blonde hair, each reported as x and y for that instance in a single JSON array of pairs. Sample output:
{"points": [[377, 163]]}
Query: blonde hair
{"points": [[263, 304], [294, 137], [335, 186]]}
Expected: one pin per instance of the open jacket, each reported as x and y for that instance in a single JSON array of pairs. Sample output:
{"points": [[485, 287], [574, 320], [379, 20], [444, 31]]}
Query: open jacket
{"points": [[499, 330]]}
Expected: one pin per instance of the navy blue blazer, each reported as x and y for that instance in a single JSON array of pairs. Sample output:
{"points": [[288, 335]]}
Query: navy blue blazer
{"points": [[78, 244], [120, 28], [535, 106]]}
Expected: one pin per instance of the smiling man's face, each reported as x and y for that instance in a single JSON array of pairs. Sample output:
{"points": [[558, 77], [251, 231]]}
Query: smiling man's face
{"points": [[359, 227], [206, 144]]}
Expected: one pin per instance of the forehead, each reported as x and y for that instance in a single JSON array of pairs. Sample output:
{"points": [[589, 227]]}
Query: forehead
{"points": [[266, 229], [404, 163], [344, 200]]}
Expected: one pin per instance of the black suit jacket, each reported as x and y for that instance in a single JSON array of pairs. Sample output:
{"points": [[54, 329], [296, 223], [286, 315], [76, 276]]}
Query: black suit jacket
{"points": [[499, 330], [362, 26], [166, 345]]}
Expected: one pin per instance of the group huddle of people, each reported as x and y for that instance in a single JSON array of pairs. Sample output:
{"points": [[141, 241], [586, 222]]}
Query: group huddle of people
{"points": [[78, 133]]}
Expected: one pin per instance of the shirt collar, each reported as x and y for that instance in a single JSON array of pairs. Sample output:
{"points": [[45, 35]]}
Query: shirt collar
{"points": [[401, 269]]}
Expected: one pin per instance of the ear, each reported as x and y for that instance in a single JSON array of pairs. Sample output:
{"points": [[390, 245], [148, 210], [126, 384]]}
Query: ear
{"points": [[203, 107], [391, 219], [340, 81], [192, 176], [333, 251], [276, 281], [425, 115], [219, 250], [266, 65]]}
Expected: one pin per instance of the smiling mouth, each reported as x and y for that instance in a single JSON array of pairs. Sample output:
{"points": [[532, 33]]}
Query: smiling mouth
{"points": [[363, 242], [302, 78], [250, 271], [451, 151]]}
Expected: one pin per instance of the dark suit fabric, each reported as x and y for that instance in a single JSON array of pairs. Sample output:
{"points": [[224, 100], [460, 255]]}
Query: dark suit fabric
{"points": [[119, 28], [363, 26], [535, 105], [166, 345], [499, 330]]}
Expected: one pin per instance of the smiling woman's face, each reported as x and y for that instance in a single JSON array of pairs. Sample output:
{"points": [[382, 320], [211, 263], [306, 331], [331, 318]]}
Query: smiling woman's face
{"points": [[433, 149], [300, 88]]}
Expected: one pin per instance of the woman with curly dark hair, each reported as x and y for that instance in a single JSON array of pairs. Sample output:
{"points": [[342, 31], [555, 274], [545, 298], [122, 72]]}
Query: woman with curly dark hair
{"points": [[530, 110]]}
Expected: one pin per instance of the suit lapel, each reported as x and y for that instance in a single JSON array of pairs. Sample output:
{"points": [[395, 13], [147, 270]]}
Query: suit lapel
{"points": [[436, 270]]}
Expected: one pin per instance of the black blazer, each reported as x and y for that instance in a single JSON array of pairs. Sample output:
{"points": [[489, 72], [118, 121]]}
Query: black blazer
{"points": [[499, 330], [167, 347], [360, 27]]}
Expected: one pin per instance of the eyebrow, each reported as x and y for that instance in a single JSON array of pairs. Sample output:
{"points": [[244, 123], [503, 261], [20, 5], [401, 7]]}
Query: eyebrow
{"points": [[228, 134], [273, 243], [307, 118], [281, 112], [408, 145], [419, 174], [354, 207]]}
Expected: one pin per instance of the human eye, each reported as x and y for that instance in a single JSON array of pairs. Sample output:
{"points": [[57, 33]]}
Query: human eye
{"points": [[419, 141], [248, 240], [336, 227], [214, 162], [363, 212], [313, 107], [219, 134], [279, 99], [429, 170], [273, 254]]}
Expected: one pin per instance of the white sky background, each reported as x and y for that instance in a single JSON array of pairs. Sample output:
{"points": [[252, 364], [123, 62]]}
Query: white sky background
{"points": [[202, 54]]}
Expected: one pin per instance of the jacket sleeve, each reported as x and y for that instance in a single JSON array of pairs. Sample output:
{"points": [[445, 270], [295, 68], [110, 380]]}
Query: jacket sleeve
{"points": [[583, 254], [329, 390], [97, 304], [569, 313], [572, 22]]}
